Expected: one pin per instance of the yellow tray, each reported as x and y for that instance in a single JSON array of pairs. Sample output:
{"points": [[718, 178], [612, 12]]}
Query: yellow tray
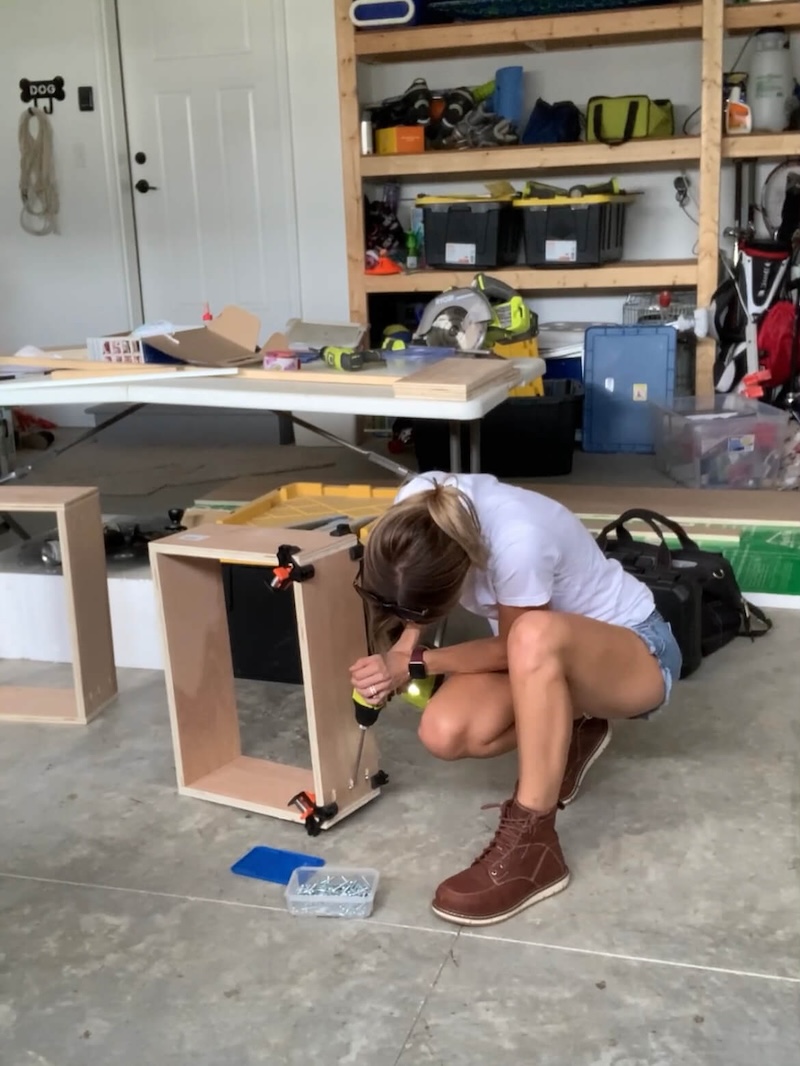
{"points": [[304, 501]]}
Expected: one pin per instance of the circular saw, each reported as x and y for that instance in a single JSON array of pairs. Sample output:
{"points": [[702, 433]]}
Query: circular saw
{"points": [[459, 318], [475, 319]]}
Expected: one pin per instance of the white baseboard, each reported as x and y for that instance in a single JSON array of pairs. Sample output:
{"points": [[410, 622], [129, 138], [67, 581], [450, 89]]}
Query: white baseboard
{"points": [[774, 601], [39, 632]]}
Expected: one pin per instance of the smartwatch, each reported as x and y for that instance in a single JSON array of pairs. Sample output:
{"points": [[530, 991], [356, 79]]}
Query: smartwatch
{"points": [[416, 664]]}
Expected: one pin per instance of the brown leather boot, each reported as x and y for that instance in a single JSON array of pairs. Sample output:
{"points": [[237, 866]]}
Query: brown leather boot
{"points": [[522, 865], [590, 738]]}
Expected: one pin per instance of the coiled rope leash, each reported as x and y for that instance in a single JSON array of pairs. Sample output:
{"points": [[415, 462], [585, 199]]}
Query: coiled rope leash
{"points": [[37, 175]]}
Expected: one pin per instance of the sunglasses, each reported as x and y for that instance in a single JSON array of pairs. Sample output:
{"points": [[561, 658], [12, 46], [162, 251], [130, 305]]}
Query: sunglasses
{"points": [[405, 614]]}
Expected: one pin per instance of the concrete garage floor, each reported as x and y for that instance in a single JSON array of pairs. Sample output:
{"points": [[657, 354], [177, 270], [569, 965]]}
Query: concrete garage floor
{"points": [[124, 939]]}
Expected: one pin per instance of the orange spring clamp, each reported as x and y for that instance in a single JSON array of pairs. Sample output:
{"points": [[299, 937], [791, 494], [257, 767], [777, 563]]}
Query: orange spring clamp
{"points": [[288, 569], [313, 815]]}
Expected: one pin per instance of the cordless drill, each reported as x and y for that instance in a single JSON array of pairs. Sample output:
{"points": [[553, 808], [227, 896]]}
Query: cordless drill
{"points": [[366, 717]]}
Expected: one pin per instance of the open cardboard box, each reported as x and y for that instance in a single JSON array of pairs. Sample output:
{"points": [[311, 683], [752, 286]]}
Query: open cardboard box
{"points": [[231, 339]]}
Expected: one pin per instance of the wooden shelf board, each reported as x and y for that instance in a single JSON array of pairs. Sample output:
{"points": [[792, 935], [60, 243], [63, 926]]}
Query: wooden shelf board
{"points": [[49, 705], [761, 145], [637, 274], [507, 36], [254, 785], [521, 160], [744, 18]]}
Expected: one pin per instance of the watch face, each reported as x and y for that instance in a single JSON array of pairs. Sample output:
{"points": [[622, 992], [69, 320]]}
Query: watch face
{"points": [[416, 665]]}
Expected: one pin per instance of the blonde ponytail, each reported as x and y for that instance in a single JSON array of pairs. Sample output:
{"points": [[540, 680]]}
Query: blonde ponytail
{"points": [[454, 513], [417, 557]]}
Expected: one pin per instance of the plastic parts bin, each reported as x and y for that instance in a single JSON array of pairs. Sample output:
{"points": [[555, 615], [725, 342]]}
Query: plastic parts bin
{"points": [[727, 442]]}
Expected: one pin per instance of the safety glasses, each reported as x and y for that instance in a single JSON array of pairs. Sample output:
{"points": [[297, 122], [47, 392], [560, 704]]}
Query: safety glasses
{"points": [[405, 614]]}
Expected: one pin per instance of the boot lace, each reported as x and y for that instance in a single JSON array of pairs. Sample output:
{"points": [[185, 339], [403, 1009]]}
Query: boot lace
{"points": [[506, 835]]}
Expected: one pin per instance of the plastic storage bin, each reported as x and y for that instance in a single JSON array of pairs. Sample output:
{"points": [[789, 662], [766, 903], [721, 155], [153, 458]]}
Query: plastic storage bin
{"points": [[470, 233], [328, 900], [565, 231], [726, 442], [530, 436], [625, 369]]}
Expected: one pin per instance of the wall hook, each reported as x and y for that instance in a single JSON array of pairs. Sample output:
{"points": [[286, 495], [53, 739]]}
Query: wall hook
{"points": [[47, 91]]}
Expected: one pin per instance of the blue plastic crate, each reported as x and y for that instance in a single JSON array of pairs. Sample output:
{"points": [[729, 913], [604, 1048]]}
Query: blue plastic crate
{"points": [[625, 369]]}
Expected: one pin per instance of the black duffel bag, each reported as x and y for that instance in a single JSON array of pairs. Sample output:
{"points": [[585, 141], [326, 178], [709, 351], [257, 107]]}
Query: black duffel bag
{"points": [[695, 590]]}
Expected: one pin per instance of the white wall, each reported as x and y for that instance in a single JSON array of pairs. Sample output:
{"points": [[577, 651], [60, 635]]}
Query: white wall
{"points": [[56, 290]]}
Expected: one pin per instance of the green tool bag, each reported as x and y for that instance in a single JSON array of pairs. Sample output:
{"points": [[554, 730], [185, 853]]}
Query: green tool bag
{"points": [[618, 119]]}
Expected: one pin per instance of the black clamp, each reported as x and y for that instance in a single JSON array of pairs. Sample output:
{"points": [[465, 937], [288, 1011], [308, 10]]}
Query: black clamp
{"points": [[379, 779], [356, 553], [288, 568], [313, 816]]}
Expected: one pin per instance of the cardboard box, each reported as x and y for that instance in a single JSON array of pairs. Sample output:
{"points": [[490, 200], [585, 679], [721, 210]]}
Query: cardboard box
{"points": [[231, 339], [400, 140]]}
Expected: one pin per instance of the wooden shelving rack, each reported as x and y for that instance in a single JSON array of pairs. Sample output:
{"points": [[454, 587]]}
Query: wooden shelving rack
{"points": [[707, 20]]}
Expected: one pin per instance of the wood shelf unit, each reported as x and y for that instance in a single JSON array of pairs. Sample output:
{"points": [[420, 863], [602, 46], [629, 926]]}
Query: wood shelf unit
{"points": [[636, 274], [707, 21], [745, 18], [507, 36], [518, 161], [761, 146]]}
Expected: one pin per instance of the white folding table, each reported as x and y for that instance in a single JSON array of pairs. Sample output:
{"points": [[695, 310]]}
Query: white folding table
{"points": [[217, 389]]}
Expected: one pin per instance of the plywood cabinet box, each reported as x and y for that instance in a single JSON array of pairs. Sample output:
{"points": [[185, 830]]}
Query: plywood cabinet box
{"points": [[187, 571], [80, 533]]}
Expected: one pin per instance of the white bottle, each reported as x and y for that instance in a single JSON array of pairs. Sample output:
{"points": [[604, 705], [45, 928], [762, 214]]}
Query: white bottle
{"points": [[771, 82]]}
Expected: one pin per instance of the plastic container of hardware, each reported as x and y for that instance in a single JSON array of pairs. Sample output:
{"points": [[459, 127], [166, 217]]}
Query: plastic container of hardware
{"points": [[326, 901]]}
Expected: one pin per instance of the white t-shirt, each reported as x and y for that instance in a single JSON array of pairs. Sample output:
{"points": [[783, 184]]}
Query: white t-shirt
{"points": [[539, 553]]}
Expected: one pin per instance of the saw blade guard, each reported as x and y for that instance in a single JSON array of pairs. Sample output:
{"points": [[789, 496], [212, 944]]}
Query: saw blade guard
{"points": [[459, 318]]}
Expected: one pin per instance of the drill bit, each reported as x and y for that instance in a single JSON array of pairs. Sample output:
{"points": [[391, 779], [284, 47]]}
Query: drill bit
{"points": [[357, 765]]}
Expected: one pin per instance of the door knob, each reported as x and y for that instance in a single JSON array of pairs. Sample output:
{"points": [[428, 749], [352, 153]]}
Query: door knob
{"points": [[140, 158], [143, 185]]}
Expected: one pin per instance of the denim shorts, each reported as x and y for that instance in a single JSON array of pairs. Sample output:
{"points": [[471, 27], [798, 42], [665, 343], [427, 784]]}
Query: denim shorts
{"points": [[657, 635]]}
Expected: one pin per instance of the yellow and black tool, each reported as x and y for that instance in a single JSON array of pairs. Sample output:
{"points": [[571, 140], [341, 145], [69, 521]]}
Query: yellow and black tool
{"points": [[343, 358], [366, 716], [512, 319]]}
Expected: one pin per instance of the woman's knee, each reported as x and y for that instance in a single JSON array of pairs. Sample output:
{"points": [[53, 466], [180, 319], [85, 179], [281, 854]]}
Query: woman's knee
{"points": [[443, 734], [537, 641]]}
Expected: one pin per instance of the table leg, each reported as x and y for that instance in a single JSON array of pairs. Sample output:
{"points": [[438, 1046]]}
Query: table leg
{"points": [[285, 427], [7, 448], [475, 447], [455, 447]]}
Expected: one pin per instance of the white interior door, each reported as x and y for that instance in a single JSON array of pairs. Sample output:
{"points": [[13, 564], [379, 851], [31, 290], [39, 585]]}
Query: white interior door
{"points": [[206, 96]]}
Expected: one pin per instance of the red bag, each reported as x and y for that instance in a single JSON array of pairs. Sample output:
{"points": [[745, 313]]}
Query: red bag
{"points": [[776, 339]]}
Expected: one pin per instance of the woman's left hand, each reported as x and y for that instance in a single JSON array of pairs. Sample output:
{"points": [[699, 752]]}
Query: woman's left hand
{"points": [[377, 677]]}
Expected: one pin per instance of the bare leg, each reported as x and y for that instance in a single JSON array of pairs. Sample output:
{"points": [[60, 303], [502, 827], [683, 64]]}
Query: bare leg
{"points": [[561, 662]]}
